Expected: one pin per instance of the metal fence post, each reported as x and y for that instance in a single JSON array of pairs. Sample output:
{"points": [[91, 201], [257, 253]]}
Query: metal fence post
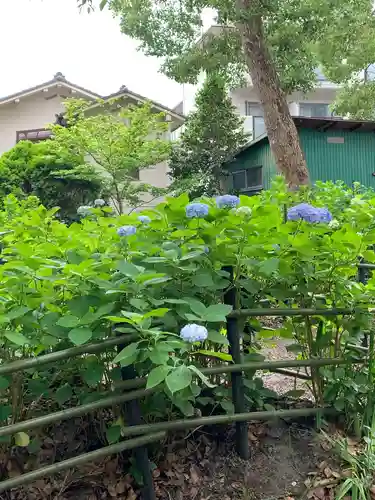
{"points": [[238, 395], [362, 278], [132, 410]]}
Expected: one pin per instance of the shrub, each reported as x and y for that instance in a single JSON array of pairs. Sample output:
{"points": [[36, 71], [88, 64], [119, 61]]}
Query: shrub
{"points": [[36, 169], [157, 273]]}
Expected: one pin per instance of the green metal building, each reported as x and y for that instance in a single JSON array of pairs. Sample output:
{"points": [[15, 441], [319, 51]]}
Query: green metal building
{"points": [[335, 149]]}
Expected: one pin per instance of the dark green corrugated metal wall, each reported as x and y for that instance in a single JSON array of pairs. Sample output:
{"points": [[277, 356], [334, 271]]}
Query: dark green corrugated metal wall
{"points": [[353, 160]]}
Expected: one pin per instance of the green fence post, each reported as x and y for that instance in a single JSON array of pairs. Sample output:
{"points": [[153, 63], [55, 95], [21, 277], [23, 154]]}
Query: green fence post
{"points": [[238, 395], [132, 410], [362, 278]]}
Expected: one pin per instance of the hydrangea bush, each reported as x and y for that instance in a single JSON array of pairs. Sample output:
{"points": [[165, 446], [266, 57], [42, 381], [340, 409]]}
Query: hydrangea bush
{"points": [[161, 274]]}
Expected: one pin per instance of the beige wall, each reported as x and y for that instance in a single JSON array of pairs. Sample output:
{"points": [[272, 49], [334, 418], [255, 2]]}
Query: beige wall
{"points": [[31, 112]]}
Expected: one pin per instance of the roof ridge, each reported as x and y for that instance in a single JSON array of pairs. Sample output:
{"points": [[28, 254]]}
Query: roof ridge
{"points": [[58, 78]]}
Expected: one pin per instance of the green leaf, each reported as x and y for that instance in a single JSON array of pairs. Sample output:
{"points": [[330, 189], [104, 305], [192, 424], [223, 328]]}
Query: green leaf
{"points": [[203, 377], [129, 269], [217, 312], [17, 338], [156, 281], [93, 374], [294, 348], [128, 352], [63, 394], [269, 407], [192, 255], [21, 439], [269, 266], [121, 319], [80, 336], [217, 337], [186, 408], [113, 434], [197, 307], [159, 356], [178, 379], [68, 321], [157, 376], [17, 312], [213, 354], [157, 313], [339, 404], [227, 406], [35, 446], [79, 306], [203, 280], [295, 393], [5, 412], [4, 383]]}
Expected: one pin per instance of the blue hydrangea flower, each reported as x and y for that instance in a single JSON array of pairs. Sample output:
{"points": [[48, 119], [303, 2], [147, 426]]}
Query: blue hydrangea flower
{"points": [[83, 211], [309, 213], [144, 219], [126, 230], [227, 201], [198, 210], [194, 333]]}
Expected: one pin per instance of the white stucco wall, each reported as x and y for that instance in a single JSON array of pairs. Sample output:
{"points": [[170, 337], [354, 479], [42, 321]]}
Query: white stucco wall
{"points": [[30, 113]]}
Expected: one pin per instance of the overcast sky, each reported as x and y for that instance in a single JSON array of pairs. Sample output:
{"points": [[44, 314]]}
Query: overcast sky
{"points": [[41, 37]]}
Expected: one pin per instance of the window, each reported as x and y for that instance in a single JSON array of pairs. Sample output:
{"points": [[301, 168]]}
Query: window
{"points": [[259, 126], [247, 180], [255, 110], [310, 110]]}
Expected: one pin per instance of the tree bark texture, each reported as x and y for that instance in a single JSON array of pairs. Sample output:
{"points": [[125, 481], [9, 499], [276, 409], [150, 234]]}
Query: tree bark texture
{"points": [[282, 132]]}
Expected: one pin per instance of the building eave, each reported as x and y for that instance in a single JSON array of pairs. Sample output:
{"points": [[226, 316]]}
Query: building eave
{"points": [[46, 86], [179, 118]]}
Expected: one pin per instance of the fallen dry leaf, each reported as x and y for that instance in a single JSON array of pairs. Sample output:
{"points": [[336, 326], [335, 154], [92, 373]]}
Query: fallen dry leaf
{"points": [[327, 472]]}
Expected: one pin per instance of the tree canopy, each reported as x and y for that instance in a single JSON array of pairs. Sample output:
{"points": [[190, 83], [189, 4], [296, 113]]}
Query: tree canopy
{"points": [[280, 43], [213, 133], [36, 169], [118, 142]]}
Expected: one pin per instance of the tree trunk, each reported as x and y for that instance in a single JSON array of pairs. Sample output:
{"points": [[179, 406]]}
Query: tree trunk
{"points": [[281, 130]]}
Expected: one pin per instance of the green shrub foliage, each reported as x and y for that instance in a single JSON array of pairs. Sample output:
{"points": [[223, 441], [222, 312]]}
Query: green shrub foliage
{"points": [[156, 274]]}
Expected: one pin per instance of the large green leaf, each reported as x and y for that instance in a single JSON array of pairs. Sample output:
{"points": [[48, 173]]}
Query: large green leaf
{"points": [[128, 352], [157, 376], [68, 321], [63, 394], [17, 338], [17, 312], [129, 269], [217, 337], [80, 336], [217, 312], [179, 378]]}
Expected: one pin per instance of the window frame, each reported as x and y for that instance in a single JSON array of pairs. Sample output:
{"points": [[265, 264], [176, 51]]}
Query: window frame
{"points": [[329, 115], [248, 188]]}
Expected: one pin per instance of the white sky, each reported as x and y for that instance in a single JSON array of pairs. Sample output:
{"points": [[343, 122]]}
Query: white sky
{"points": [[41, 37]]}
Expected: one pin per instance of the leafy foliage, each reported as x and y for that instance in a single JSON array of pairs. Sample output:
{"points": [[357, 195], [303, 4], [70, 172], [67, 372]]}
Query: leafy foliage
{"points": [[64, 286], [212, 135], [118, 144], [36, 169]]}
